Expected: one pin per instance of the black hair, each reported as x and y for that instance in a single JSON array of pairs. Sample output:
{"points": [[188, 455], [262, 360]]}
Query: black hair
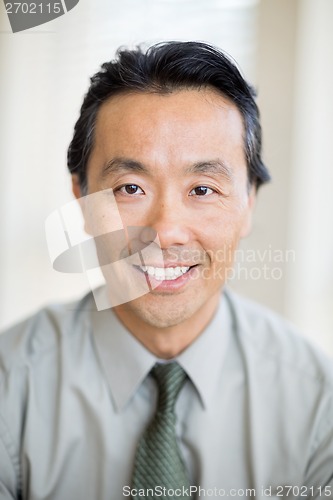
{"points": [[164, 68]]}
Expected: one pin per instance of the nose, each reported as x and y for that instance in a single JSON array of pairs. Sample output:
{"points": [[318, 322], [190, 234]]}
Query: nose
{"points": [[170, 221]]}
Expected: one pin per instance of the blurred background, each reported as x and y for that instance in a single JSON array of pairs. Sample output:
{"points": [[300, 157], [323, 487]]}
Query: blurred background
{"points": [[283, 47]]}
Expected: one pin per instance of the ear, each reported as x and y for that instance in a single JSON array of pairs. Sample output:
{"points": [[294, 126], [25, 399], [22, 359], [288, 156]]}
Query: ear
{"points": [[248, 215], [76, 187]]}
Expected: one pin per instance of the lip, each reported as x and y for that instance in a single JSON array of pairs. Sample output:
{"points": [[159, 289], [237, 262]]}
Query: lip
{"points": [[167, 285]]}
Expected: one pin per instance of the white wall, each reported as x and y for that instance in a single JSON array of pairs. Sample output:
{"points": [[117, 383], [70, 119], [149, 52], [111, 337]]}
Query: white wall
{"points": [[309, 295]]}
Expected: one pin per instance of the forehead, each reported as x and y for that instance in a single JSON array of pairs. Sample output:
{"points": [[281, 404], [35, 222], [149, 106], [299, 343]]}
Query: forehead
{"points": [[179, 126]]}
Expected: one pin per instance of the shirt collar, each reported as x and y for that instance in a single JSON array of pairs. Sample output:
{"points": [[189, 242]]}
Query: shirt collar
{"points": [[126, 362]]}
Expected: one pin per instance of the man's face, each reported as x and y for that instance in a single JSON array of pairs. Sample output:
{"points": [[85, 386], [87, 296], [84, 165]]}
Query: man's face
{"points": [[176, 165]]}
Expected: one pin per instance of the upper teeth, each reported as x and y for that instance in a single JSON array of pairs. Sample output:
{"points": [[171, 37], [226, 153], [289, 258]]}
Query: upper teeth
{"points": [[165, 273]]}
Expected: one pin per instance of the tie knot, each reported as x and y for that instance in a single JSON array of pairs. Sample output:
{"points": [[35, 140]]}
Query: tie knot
{"points": [[170, 378]]}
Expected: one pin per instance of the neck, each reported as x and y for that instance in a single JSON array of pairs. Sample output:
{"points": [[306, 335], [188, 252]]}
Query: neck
{"points": [[169, 341]]}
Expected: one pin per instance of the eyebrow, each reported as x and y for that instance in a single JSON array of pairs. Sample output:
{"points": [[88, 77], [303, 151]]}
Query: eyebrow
{"points": [[214, 167], [120, 164]]}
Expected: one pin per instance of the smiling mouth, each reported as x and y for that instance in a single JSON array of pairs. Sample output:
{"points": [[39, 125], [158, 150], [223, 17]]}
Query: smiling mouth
{"points": [[165, 273]]}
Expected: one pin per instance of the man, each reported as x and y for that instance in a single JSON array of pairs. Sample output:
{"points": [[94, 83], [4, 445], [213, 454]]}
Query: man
{"points": [[187, 390]]}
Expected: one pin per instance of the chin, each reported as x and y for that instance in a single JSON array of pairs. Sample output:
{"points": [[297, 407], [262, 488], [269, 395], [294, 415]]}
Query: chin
{"points": [[163, 313]]}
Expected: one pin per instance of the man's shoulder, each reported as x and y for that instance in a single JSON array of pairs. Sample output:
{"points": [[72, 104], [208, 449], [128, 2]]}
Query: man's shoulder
{"points": [[270, 338], [27, 341]]}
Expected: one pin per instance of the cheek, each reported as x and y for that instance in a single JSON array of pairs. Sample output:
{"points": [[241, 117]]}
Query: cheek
{"points": [[132, 214], [221, 228], [220, 239]]}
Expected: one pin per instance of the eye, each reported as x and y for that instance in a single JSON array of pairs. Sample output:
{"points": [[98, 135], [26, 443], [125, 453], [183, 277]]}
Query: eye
{"points": [[201, 191], [130, 189]]}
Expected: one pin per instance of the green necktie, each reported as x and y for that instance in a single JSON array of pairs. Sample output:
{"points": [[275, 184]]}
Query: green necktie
{"points": [[158, 460]]}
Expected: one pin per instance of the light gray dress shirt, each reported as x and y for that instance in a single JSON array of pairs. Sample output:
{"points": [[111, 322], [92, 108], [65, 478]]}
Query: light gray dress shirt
{"points": [[255, 418]]}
